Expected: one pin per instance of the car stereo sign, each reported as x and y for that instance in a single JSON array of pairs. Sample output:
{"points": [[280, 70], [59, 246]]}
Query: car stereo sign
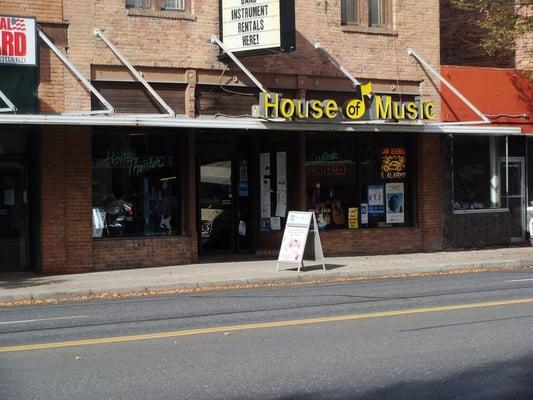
{"points": [[254, 25], [17, 41]]}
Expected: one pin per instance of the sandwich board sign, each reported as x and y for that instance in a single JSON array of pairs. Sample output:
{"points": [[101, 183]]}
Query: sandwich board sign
{"points": [[301, 239]]}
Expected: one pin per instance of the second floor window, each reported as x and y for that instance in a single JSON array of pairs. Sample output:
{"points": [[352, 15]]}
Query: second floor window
{"points": [[163, 4], [173, 4], [138, 3], [367, 13]]}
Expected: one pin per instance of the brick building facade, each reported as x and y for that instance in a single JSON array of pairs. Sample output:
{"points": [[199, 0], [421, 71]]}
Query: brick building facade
{"points": [[192, 175]]}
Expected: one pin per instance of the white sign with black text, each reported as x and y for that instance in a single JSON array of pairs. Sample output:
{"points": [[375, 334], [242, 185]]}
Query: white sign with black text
{"points": [[300, 225], [251, 24]]}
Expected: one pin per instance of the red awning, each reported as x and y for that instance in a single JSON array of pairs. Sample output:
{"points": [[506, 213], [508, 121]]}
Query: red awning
{"points": [[504, 95]]}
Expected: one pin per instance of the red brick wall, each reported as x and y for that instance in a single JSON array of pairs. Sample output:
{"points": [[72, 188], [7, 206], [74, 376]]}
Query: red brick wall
{"points": [[144, 252], [66, 222], [43, 10]]}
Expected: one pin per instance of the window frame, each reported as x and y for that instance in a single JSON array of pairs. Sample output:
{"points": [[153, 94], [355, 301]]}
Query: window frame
{"points": [[484, 210], [362, 16]]}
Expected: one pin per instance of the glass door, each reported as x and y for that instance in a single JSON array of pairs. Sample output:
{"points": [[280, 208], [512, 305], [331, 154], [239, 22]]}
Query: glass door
{"points": [[13, 217], [514, 181], [216, 205]]}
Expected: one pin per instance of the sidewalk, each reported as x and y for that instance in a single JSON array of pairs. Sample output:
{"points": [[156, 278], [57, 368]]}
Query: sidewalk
{"points": [[21, 287]]}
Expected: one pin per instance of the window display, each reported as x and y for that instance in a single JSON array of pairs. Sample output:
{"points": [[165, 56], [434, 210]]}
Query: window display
{"points": [[364, 174], [135, 185], [477, 173]]}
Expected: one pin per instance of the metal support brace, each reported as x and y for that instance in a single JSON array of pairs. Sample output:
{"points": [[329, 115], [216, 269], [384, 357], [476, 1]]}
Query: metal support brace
{"points": [[10, 106], [338, 64], [79, 75], [216, 40], [98, 33], [483, 117]]}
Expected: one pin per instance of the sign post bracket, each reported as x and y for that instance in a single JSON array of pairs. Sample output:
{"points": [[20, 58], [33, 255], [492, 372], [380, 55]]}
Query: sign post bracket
{"points": [[99, 34], [338, 64], [216, 40], [10, 106], [483, 118], [72, 68]]}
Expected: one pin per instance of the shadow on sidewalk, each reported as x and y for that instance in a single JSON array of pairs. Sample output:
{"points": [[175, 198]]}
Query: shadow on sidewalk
{"points": [[316, 267], [25, 279]]}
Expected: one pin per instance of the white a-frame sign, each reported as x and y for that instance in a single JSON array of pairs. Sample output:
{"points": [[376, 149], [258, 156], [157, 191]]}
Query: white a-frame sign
{"points": [[295, 245]]}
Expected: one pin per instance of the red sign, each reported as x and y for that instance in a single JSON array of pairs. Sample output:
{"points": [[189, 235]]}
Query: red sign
{"points": [[18, 41]]}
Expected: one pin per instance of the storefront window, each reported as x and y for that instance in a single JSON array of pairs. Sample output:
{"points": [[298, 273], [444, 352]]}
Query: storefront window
{"points": [[135, 185], [530, 171], [387, 176], [478, 164], [360, 181], [331, 170]]}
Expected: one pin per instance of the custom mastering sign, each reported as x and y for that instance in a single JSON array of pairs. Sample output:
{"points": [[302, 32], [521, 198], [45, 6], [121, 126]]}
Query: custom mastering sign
{"points": [[251, 26], [18, 41]]}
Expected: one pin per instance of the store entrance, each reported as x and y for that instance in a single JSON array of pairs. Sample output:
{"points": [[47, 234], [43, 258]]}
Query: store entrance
{"points": [[14, 235], [516, 196], [224, 205]]}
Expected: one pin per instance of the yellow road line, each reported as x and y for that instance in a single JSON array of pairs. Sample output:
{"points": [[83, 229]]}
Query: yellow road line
{"points": [[261, 325]]}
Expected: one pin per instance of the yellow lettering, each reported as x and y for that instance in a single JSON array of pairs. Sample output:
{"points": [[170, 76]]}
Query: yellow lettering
{"points": [[302, 110], [331, 108], [398, 111], [429, 110], [287, 108], [383, 111], [411, 111], [316, 107], [271, 104]]}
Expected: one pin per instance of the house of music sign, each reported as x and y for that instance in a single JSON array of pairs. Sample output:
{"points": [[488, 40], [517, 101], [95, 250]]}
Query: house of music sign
{"points": [[18, 41], [251, 26]]}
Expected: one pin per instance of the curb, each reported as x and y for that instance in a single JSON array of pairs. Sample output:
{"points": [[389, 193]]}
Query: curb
{"points": [[315, 277]]}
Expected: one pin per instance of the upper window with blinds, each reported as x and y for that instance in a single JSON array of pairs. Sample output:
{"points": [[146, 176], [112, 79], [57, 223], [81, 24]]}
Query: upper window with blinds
{"points": [[367, 13], [173, 5]]}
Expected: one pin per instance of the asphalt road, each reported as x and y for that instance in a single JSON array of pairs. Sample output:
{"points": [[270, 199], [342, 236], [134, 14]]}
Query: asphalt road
{"points": [[448, 337]]}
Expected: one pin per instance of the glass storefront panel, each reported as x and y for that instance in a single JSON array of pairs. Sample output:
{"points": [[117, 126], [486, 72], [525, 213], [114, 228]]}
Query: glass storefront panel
{"points": [[14, 211], [135, 185], [360, 181]]}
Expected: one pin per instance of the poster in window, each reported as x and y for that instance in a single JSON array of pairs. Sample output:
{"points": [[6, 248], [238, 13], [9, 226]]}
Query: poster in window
{"points": [[393, 163], [364, 213], [375, 200], [395, 203], [353, 218]]}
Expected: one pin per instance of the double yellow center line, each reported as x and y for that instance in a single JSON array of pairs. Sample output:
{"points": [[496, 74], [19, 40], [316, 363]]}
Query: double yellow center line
{"points": [[261, 325]]}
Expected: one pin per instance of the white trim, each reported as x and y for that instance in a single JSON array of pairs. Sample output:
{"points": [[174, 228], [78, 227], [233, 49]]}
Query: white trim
{"points": [[218, 42], [481, 211], [98, 33], [10, 106], [338, 64], [76, 73], [484, 118], [163, 120]]}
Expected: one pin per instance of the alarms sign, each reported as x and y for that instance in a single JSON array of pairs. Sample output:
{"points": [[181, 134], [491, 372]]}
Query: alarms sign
{"points": [[255, 25], [18, 41]]}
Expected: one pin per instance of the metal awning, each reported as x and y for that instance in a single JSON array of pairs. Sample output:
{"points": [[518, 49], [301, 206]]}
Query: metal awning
{"points": [[165, 121]]}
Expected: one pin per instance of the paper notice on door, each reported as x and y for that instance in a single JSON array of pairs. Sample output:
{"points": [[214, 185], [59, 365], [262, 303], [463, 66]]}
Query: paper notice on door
{"points": [[275, 223], [281, 204], [9, 197], [265, 205], [281, 167], [264, 165], [242, 228], [265, 185]]}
